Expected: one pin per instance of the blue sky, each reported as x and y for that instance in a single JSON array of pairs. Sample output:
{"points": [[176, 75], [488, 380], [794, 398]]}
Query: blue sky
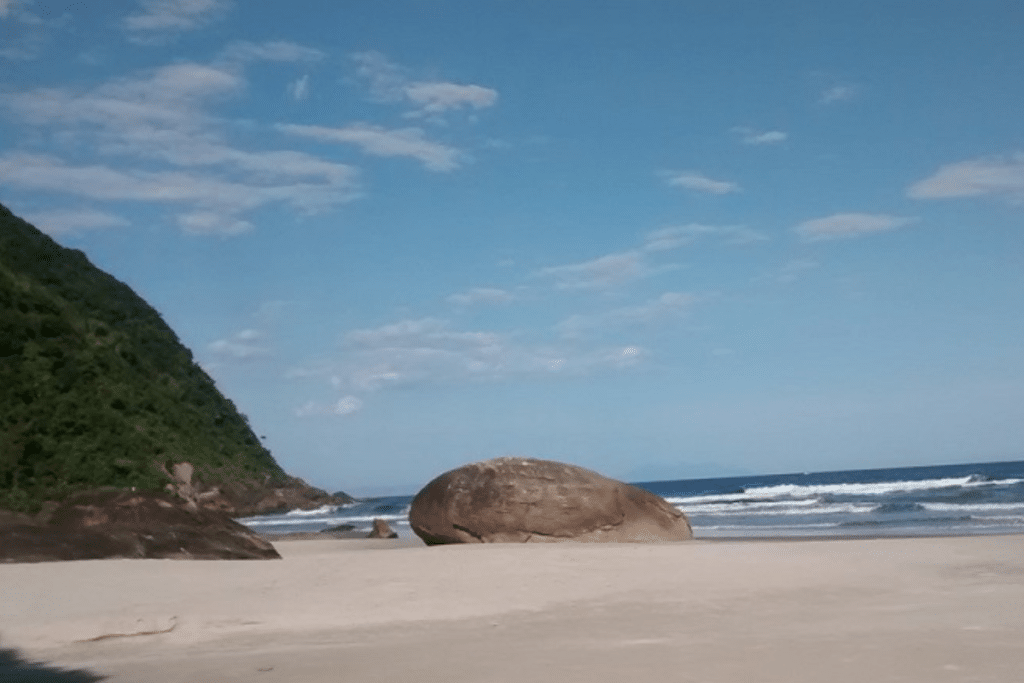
{"points": [[657, 239]]}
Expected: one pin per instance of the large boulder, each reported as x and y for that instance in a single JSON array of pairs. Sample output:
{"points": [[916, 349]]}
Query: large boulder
{"points": [[129, 524], [515, 500]]}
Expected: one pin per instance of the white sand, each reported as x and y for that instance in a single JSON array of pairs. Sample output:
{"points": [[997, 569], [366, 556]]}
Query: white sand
{"points": [[919, 610]]}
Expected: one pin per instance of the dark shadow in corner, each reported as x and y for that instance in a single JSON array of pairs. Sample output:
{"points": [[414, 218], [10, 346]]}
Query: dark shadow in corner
{"points": [[15, 669]]}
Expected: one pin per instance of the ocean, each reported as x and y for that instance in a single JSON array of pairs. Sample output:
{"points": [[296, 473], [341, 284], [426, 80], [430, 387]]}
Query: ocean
{"points": [[940, 500]]}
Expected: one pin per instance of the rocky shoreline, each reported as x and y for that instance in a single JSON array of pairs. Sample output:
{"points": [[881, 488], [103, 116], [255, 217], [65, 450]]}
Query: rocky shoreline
{"points": [[188, 520]]}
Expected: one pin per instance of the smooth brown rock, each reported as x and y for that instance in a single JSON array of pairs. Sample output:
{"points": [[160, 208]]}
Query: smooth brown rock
{"points": [[381, 530], [508, 500], [129, 524]]}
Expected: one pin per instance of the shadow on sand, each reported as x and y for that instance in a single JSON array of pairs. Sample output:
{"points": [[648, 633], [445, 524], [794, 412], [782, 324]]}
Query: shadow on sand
{"points": [[15, 669]]}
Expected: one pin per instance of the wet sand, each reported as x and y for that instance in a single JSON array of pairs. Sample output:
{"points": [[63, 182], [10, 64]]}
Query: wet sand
{"points": [[923, 610]]}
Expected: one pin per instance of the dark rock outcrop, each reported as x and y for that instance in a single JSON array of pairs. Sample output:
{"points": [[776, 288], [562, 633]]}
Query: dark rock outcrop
{"points": [[129, 524], [247, 498], [509, 500], [381, 530]]}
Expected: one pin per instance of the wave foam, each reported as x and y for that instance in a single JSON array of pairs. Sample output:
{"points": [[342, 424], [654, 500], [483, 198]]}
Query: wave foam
{"points": [[809, 507], [976, 507], [803, 491]]}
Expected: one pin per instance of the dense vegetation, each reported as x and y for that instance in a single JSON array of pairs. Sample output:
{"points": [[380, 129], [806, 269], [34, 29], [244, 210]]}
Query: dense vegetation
{"points": [[95, 389]]}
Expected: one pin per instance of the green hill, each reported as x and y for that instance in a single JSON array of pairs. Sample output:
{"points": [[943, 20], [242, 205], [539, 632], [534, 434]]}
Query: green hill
{"points": [[97, 391]]}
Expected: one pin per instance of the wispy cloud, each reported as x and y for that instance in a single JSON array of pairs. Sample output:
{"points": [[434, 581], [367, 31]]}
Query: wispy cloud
{"points": [[439, 97], [7, 7], [159, 19], [849, 225], [25, 33], [605, 271], [345, 405], [217, 202], [272, 51], [621, 268], [998, 176], [669, 305], [389, 82], [299, 89], [244, 345], [167, 147], [72, 221], [750, 136], [427, 350], [481, 295], [677, 236], [838, 93], [692, 180], [379, 141], [431, 351]]}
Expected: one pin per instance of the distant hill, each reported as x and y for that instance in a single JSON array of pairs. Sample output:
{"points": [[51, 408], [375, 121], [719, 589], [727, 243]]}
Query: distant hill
{"points": [[97, 391]]}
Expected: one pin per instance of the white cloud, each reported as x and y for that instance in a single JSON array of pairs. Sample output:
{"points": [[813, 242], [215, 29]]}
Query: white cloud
{"points": [[668, 306], [379, 141], [974, 178], [620, 357], [241, 346], [605, 271], [621, 268], [849, 225], [26, 34], [425, 332], [170, 97], [838, 93], [680, 235], [424, 350], [212, 223], [299, 89], [71, 221], [271, 51], [161, 116], [343, 406], [346, 405], [391, 83], [749, 136], [218, 201], [387, 80], [481, 295], [691, 180], [436, 98], [430, 351], [7, 6], [173, 16]]}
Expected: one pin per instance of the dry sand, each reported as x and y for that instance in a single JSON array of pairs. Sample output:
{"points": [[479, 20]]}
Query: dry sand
{"points": [[866, 611]]}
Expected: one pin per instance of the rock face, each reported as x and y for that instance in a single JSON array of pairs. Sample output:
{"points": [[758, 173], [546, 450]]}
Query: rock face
{"points": [[248, 498], [381, 530], [128, 524], [510, 500]]}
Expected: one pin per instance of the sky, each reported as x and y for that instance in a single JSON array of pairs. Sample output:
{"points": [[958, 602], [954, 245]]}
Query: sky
{"points": [[656, 239]]}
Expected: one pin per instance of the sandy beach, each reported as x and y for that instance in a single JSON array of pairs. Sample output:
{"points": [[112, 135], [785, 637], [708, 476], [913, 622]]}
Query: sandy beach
{"points": [[925, 609]]}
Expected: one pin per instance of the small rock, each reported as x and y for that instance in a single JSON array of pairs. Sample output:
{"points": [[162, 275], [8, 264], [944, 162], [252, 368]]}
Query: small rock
{"points": [[381, 530]]}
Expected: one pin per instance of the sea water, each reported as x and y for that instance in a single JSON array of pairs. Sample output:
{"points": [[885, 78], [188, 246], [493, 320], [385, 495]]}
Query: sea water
{"points": [[941, 500]]}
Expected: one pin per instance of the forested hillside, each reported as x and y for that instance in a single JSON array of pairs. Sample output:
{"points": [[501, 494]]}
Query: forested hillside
{"points": [[96, 390]]}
